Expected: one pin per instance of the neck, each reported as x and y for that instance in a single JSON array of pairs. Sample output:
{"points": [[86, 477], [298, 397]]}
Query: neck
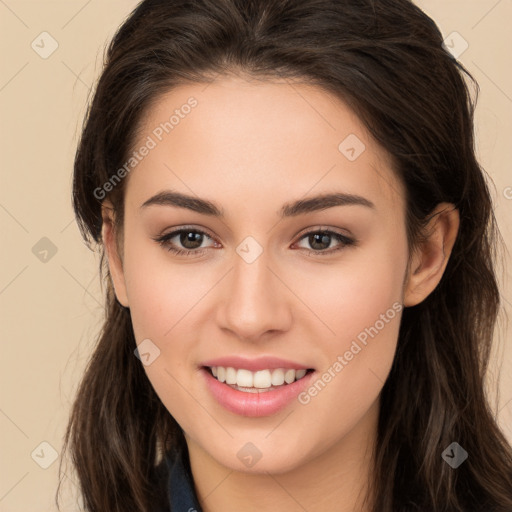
{"points": [[336, 480]]}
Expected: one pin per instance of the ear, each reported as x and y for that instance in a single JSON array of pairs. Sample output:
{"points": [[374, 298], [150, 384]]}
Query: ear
{"points": [[430, 258], [114, 259]]}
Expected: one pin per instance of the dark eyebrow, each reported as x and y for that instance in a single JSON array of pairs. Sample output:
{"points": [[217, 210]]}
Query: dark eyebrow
{"points": [[171, 198], [322, 202], [308, 205]]}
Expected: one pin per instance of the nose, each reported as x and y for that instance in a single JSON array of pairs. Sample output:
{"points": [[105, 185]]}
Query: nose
{"points": [[256, 302]]}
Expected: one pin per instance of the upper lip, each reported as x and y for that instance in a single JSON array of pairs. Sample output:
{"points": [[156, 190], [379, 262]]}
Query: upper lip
{"points": [[255, 364]]}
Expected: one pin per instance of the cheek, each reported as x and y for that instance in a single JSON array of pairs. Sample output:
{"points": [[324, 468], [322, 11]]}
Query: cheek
{"points": [[361, 303], [163, 298], [353, 294], [161, 293]]}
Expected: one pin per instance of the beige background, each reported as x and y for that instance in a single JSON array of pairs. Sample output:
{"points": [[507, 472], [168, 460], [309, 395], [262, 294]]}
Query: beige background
{"points": [[51, 310]]}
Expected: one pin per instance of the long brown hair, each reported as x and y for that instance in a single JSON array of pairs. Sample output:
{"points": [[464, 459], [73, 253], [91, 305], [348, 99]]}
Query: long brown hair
{"points": [[386, 60]]}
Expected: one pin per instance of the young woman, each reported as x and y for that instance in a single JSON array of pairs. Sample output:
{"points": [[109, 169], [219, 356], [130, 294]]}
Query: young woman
{"points": [[299, 253]]}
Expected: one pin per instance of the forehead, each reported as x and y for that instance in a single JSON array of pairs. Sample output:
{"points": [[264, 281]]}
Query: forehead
{"points": [[235, 139]]}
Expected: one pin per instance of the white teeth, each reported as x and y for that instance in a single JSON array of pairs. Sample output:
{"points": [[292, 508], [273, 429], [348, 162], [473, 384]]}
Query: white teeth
{"points": [[244, 379], [299, 374], [261, 379], [230, 376], [277, 377], [289, 376]]}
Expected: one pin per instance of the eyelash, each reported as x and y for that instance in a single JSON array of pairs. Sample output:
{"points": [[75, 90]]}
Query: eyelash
{"points": [[343, 240]]}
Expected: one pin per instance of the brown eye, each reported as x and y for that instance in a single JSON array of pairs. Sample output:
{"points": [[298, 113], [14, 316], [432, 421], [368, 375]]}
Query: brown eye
{"points": [[320, 242], [191, 239], [184, 241]]}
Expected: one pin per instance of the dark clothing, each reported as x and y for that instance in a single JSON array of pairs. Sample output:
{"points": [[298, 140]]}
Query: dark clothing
{"points": [[181, 495]]}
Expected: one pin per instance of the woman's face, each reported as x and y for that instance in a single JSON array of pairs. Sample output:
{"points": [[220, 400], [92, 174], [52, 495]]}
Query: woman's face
{"points": [[271, 273]]}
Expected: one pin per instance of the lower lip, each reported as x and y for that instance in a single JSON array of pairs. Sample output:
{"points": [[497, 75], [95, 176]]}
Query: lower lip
{"points": [[264, 403]]}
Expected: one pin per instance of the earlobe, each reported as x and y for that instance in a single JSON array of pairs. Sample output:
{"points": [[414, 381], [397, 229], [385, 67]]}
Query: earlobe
{"points": [[430, 258], [114, 260]]}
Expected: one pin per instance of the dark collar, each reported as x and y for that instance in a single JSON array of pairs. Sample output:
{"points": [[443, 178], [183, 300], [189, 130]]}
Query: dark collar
{"points": [[180, 484]]}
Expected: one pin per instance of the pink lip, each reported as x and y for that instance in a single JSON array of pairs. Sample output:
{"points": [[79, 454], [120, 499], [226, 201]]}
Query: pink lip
{"points": [[259, 363], [264, 403]]}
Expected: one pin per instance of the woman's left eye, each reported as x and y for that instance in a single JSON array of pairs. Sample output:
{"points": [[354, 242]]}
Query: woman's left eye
{"points": [[321, 241], [191, 240]]}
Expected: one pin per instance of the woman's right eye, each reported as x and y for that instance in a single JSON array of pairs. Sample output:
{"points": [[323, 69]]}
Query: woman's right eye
{"points": [[184, 241]]}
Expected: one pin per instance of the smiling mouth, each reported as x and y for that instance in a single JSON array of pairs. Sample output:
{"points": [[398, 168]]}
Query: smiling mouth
{"points": [[256, 382]]}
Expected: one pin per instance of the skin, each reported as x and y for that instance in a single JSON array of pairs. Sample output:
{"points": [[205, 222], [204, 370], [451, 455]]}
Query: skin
{"points": [[250, 147]]}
